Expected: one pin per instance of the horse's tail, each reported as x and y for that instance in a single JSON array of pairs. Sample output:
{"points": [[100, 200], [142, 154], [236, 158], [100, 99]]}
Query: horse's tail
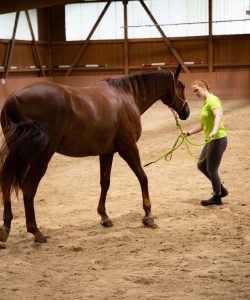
{"points": [[24, 139]]}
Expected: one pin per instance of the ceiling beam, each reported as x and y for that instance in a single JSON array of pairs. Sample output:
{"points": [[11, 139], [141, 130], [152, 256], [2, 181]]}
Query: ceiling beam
{"points": [[165, 39], [36, 56], [7, 6], [9, 55], [17, 5], [86, 42]]}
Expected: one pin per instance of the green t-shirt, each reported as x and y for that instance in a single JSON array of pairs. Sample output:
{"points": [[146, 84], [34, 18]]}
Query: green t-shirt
{"points": [[207, 117]]}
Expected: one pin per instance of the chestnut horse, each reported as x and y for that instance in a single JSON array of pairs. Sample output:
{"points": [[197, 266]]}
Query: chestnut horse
{"points": [[101, 119]]}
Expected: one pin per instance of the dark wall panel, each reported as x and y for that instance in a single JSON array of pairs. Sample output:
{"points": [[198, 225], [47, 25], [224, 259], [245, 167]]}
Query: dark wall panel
{"points": [[96, 53], [51, 23], [145, 52], [3, 48], [22, 55], [232, 49], [153, 51]]}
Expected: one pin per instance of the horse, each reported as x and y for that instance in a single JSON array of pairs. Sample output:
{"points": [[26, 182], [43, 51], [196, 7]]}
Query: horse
{"points": [[102, 119]]}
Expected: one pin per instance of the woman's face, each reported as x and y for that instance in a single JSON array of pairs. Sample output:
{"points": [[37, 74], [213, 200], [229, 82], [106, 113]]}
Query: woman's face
{"points": [[199, 92]]}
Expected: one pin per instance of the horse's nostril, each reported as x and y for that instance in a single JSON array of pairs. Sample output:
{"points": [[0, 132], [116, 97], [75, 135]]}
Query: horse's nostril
{"points": [[184, 114]]}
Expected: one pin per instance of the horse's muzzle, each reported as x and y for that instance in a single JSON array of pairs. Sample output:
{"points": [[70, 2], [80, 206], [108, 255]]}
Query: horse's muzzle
{"points": [[184, 112]]}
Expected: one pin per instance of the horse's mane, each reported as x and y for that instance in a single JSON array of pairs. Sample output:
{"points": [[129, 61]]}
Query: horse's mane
{"points": [[144, 82]]}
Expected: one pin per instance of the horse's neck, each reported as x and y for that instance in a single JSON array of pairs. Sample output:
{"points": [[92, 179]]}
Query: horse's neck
{"points": [[156, 88], [143, 102]]}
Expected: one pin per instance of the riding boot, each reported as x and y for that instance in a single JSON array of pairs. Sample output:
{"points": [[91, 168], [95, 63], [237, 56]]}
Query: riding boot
{"points": [[224, 191], [215, 200]]}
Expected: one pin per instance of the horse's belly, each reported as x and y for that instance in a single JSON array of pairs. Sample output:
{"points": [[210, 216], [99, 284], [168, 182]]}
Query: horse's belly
{"points": [[82, 152], [85, 147]]}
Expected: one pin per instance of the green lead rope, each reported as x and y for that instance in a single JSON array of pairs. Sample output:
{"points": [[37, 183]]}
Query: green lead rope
{"points": [[178, 142]]}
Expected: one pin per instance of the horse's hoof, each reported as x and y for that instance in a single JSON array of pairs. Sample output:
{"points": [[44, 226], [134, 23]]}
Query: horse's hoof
{"points": [[41, 239], [106, 223], [2, 246], [148, 222], [4, 234]]}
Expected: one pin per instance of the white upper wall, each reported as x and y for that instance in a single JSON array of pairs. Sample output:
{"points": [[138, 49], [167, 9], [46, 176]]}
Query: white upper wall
{"points": [[234, 10], [23, 32], [178, 18], [80, 18]]}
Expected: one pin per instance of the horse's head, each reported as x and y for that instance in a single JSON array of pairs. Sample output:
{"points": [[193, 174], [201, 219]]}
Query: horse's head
{"points": [[176, 98]]}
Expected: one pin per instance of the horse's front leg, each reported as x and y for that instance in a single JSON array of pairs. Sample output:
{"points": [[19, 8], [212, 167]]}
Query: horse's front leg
{"points": [[105, 170], [132, 157], [7, 218]]}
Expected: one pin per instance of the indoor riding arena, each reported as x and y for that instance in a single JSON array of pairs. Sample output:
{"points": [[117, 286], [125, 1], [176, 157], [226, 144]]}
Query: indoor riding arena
{"points": [[186, 251]]}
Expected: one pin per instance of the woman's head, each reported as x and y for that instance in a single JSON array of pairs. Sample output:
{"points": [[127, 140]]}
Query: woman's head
{"points": [[200, 88]]}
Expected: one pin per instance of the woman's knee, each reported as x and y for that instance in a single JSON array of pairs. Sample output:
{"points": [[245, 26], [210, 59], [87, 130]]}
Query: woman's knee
{"points": [[201, 167]]}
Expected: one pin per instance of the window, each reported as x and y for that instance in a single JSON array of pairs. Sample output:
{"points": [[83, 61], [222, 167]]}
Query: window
{"points": [[177, 18], [229, 17], [23, 32], [80, 19]]}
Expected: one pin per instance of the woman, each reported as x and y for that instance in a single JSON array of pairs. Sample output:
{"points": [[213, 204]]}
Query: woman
{"points": [[212, 125]]}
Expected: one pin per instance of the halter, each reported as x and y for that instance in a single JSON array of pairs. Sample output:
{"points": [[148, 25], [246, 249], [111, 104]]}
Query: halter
{"points": [[181, 137], [176, 96]]}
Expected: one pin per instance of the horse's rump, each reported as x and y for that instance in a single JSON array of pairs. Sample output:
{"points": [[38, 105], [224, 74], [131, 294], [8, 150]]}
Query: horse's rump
{"points": [[24, 139]]}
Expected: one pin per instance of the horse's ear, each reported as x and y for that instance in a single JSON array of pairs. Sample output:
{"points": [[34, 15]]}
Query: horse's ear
{"points": [[177, 72]]}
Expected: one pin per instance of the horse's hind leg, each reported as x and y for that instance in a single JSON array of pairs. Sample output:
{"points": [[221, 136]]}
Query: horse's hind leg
{"points": [[36, 172], [132, 157], [105, 170], [7, 218]]}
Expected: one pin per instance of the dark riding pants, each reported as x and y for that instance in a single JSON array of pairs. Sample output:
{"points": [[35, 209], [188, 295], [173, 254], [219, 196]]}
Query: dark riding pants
{"points": [[210, 165]]}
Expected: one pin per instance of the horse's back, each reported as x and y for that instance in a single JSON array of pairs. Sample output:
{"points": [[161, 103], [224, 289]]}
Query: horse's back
{"points": [[98, 116], [83, 121], [102, 116]]}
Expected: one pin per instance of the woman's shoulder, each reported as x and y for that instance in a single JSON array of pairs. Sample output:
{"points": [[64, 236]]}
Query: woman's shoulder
{"points": [[213, 101], [211, 96]]}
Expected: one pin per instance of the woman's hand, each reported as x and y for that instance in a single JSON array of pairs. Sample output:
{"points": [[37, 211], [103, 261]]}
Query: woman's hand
{"points": [[197, 128], [212, 134], [217, 119]]}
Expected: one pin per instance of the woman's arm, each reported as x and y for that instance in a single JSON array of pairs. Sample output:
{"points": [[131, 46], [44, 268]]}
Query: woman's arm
{"points": [[217, 119], [197, 128]]}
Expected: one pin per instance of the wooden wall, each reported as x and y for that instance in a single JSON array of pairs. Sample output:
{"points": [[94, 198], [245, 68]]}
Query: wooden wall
{"points": [[23, 58], [227, 85], [230, 53], [231, 58]]}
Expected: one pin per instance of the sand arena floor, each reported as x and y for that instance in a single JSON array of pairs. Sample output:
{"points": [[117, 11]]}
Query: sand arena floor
{"points": [[195, 253]]}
